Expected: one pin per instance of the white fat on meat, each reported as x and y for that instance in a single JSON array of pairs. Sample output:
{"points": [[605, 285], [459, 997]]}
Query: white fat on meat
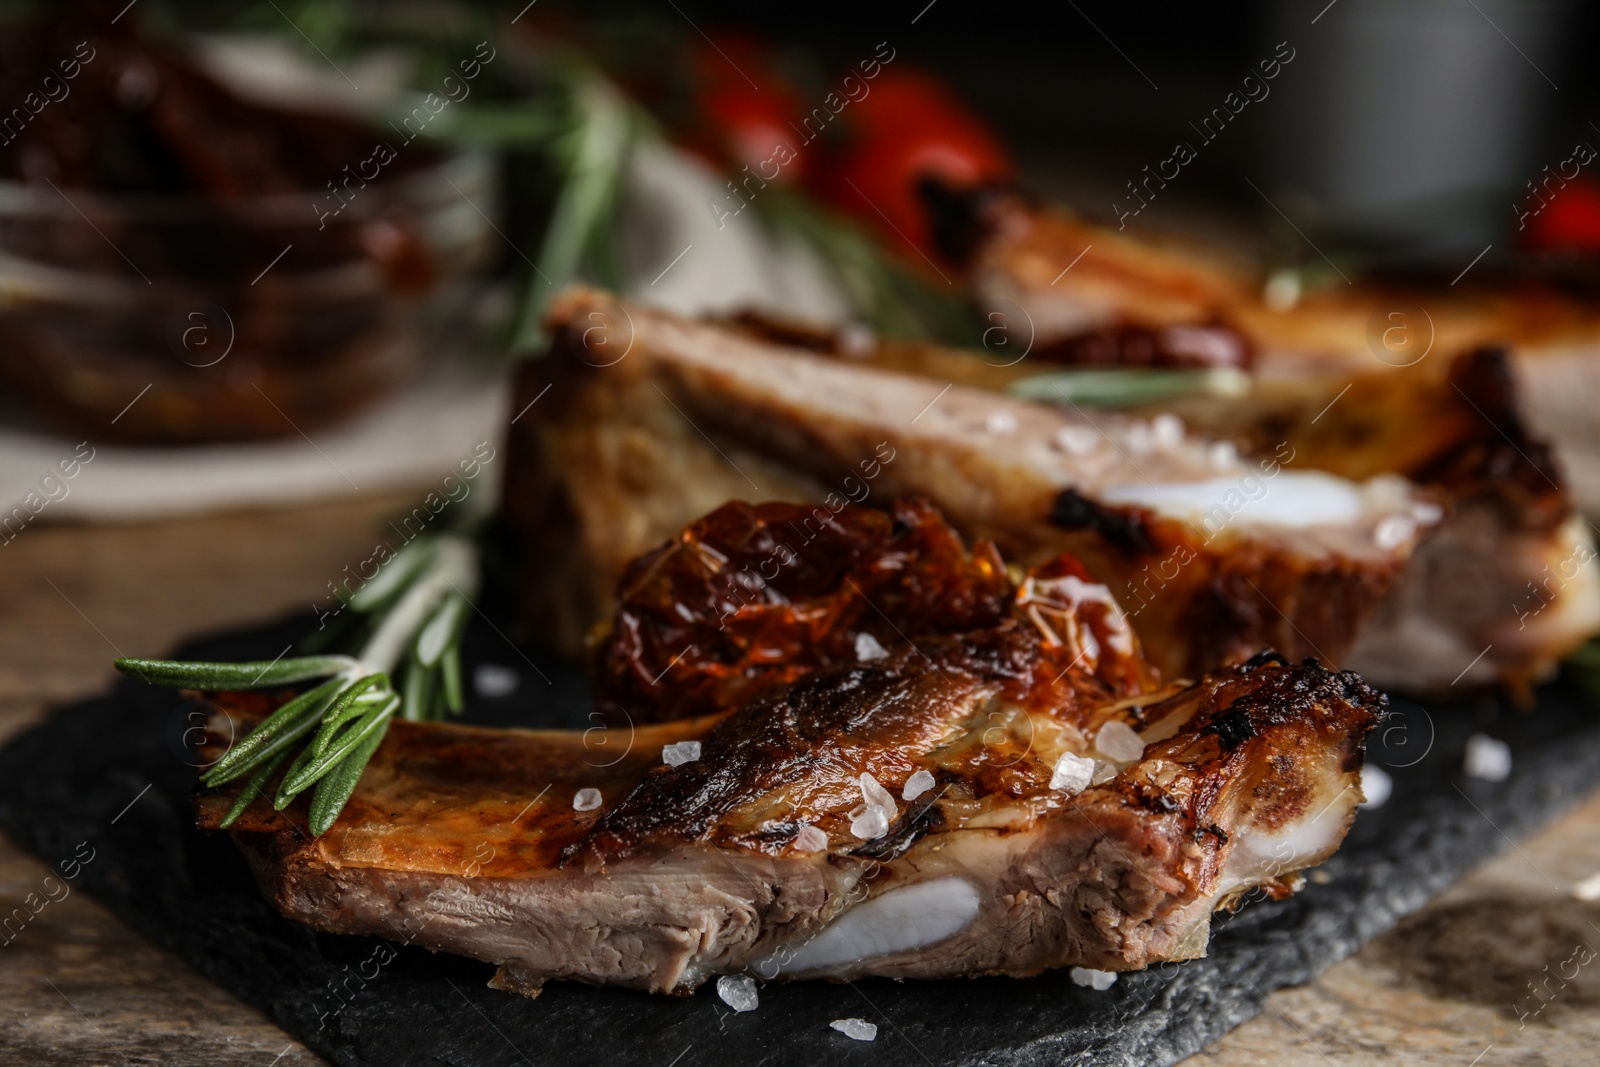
{"points": [[1290, 499], [901, 920], [1261, 855]]}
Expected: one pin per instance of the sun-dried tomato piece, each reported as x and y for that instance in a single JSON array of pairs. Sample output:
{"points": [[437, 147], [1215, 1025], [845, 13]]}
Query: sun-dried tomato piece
{"points": [[750, 598]]}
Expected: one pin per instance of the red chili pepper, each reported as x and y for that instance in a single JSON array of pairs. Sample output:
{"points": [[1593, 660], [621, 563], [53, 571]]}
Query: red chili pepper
{"points": [[1569, 220], [908, 129]]}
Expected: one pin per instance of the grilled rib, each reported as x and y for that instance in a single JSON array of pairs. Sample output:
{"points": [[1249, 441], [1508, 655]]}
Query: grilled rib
{"points": [[1213, 557], [1335, 332], [1533, 596], [767, 853], [1459, 422]]}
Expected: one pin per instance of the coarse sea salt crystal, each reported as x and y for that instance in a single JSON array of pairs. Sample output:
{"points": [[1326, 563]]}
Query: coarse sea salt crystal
{"points": [[586, 800], [1282, 290], [811, 839], [856, 1029], [1487, 758], [493, 681], [1116, 740], [877, 812], [1138, 439], [1387, 492], [868, 648], [738, 991], [1588, 889], [680, 752], [917, 785], [1077, 440], [1376, 784], [1103, 773], [1073, 774], [1095, 979], [855, 339], [870, 825], [1167, 429], [1001, 422], [1223, 454], [1394, 531]]}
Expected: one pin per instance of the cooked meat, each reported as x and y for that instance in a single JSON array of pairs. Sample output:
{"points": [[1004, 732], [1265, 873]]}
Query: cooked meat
{"points": [[1509, 524], [1531, 595], [1003, 799], [1214, 557], [1337, 331]]}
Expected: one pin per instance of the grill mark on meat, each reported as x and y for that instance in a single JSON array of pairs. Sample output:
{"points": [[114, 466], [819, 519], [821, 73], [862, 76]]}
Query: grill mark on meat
{"points": [[1123, 527], [1232, 730]]}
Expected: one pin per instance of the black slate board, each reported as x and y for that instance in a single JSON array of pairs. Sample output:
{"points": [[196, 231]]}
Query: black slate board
{"points": [[83, 775]]}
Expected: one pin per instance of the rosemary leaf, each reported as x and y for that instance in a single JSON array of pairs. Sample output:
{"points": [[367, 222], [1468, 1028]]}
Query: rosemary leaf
{"points": [[418, 692], [300, 778], [213, 677], [442, 630], [454, 564], [345, 708], [394, 576], [450, 675], [334, 790], [593, 158], [1113, 387], [307, 706], [280, 743], [515, 124], [284, 796], [252, 788]]}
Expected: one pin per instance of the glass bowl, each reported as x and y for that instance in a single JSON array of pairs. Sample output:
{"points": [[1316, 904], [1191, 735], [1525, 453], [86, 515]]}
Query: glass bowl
{"points": [[182, 319]]}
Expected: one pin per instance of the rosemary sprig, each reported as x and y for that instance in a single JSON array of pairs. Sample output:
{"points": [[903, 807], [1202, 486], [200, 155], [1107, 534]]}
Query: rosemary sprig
{"points": [[597, 136], [219, 676], [421, 597], [888, 295], [1114, 387]]}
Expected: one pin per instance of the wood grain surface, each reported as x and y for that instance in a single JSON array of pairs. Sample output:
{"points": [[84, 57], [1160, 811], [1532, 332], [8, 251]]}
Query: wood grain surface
{"points": [[1453, 986]]}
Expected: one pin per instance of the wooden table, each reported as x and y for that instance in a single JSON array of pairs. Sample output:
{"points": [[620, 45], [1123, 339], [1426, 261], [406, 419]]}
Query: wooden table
{"points": [[78, 988]]}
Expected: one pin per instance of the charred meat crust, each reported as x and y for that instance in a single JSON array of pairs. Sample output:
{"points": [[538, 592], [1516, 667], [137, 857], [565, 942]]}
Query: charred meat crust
{"points": [[810, 744], [1494, 455], [1123, 527], [959, 217]]}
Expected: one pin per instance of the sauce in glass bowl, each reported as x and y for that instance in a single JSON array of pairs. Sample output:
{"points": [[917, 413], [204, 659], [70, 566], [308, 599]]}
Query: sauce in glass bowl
{"points": [[245, 271]]}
